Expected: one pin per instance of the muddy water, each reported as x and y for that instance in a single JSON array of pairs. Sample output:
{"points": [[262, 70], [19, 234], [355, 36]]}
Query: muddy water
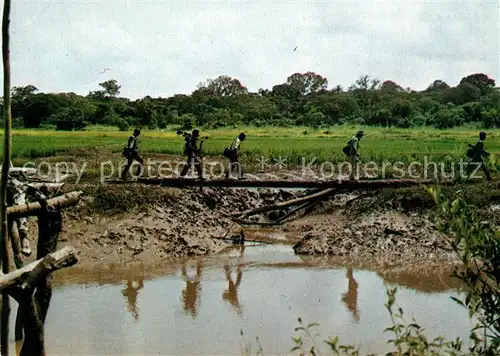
{"points": [[199, 307]]}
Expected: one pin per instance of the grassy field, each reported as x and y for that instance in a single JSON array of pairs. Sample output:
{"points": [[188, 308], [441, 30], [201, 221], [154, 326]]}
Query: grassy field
{"points": [[379, 144]]}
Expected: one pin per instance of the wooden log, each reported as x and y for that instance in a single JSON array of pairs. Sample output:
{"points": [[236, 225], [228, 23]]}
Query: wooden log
{"points": [[16, 243], [29, 274], [313, 197], [276, 222], [229, 183], [34, 208]]}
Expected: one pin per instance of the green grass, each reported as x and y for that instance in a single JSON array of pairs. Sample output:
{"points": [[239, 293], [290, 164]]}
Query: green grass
{"points": [[379, 144]]}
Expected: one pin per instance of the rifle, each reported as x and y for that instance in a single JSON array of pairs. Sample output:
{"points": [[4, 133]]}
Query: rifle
{"points": [[201, 144]]}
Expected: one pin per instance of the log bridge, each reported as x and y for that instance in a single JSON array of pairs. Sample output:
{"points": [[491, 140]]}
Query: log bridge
{"points": [[285, 183]]}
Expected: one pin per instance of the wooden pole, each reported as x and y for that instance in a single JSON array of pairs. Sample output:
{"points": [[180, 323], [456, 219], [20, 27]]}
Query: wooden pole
{"points": [[4, 324], [62, 201]]}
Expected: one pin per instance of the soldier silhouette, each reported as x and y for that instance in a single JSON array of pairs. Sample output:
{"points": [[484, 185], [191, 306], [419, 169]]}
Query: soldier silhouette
{"points": [[351, 297]]}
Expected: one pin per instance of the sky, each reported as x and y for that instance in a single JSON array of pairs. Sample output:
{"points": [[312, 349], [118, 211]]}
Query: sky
{"points": [[162, 48]]}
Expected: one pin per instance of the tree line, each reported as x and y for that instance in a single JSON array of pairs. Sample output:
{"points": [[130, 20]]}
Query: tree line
{"points": [[303, 100]]}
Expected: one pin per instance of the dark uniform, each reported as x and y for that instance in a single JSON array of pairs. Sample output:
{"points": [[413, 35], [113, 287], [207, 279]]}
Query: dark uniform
{"points": [[476, 153], [193, 154], [131, 153], [232, 154]]}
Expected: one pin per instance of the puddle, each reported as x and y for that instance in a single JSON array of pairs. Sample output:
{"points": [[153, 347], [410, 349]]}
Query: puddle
{"points": [[199, 307]]}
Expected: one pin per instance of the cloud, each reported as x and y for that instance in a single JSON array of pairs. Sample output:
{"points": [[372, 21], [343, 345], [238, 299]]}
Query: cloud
{"points": [[162, 48]]}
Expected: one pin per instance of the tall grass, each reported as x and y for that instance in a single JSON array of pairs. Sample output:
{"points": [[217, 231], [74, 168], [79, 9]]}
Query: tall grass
{"points": [[379, 144]]}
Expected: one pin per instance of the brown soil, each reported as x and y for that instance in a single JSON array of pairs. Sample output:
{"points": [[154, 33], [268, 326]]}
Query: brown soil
{"points": [[116, 224], [119, 224], [385, 237]]}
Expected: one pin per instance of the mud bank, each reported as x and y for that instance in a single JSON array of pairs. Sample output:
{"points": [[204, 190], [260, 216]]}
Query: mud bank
{"points": [[390, 227], [116, 224], [389, 237]]}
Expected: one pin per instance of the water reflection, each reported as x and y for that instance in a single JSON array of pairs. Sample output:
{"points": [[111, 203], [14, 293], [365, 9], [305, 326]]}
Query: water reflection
{"points": [[131, 293], [231, 293], [350, 298], [313, 290], [192, 290]]}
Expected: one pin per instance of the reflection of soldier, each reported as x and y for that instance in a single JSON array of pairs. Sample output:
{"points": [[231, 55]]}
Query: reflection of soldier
{"points": [[351, 297], [190, 293], [231, 294], [131, 293]]}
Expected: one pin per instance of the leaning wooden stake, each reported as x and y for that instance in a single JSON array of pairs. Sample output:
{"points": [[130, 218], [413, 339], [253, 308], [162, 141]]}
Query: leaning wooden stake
{"points": [[285, 204], [4, 319], [16, 243], [23, 277]]}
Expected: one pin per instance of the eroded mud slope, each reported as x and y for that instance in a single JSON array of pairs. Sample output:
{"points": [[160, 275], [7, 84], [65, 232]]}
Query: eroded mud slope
{"points": [[387, 227], [120, 223]]}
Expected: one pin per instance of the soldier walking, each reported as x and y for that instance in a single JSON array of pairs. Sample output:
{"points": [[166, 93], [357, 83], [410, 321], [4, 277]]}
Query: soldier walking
{"points": [[233, 154], [193, 153], [354, 154], [476, 154], [130, 152]]}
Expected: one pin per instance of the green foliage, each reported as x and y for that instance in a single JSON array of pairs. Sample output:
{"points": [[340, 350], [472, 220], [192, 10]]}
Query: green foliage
{"points": [[68, 119], [491, 118], [122, 124], [410, 339], [303, 99], [477, 243]]}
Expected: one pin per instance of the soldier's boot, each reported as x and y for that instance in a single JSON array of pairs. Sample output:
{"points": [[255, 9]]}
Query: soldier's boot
{"points": [[185, 170], [199, 171]]}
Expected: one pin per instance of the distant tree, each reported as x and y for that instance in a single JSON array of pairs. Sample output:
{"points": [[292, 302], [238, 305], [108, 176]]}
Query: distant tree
{"points": [[223, 86], [111, 87], [389, 85], [307, 83], [481, 81], [491, 118], [438, 85], [364, 82], [302, 99], [19, 96], [68, 119], [337, 89]]}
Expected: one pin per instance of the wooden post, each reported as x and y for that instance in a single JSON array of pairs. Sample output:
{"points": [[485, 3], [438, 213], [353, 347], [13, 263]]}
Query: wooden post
{"points": [[4, 324]]}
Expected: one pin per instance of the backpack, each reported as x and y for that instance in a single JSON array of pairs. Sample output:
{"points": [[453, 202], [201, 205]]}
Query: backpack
{"points": [[127, 152], [227, 152], [347, 148], [470, 152]]}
